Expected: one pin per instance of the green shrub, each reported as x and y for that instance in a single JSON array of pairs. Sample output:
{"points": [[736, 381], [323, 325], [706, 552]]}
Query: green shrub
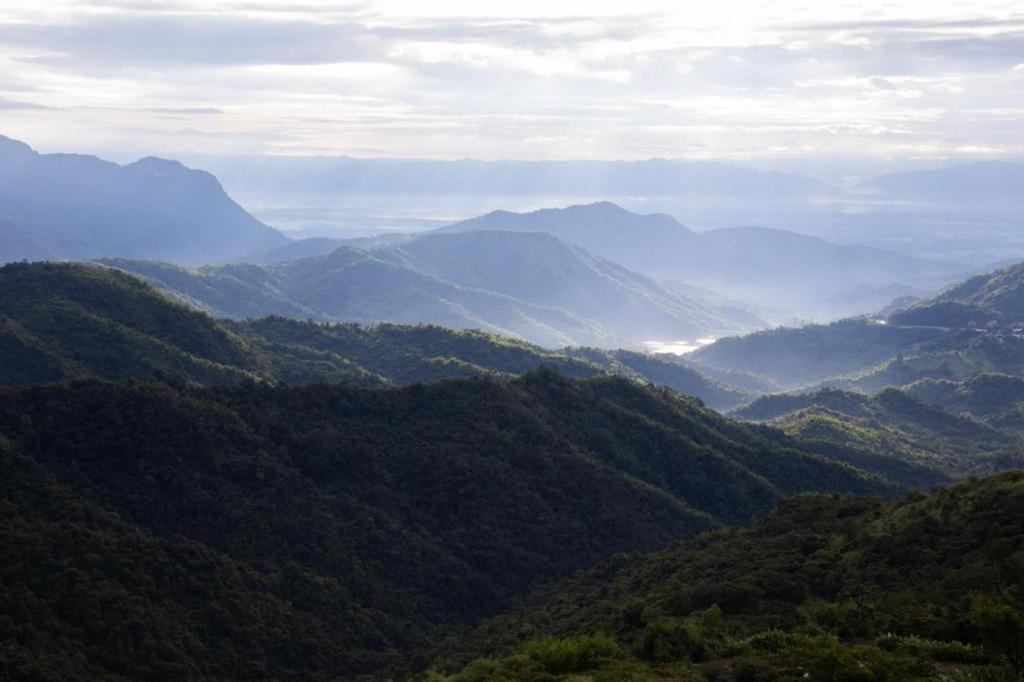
{"points": [[669, 639], [575, 654], [769, 640], [956, 652]]}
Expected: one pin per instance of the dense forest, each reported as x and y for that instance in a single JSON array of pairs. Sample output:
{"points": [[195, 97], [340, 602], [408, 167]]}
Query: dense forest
{"points": [[332, 530], [825, 588]]}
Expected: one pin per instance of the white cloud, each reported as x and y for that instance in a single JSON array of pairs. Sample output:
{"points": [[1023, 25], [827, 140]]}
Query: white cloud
{"points": [[463, 78]]}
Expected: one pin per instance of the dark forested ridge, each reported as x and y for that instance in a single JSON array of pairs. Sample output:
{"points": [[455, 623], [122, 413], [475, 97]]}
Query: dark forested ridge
{"points": [[995, 399], [329, 531], [62, 321], [823, 588]]}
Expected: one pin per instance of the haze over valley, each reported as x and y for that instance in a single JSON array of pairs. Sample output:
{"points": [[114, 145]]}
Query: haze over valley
{"points": [[741, 277], [545, 342]]}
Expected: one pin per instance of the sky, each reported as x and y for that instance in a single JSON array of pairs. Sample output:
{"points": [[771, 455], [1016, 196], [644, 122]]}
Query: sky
{"points": [[529, 80]]}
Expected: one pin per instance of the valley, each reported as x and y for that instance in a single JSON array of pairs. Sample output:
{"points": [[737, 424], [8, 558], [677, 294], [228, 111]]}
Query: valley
{"points": [[575, 443]]}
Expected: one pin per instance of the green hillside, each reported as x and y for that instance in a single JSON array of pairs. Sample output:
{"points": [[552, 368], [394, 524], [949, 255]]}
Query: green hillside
{"points": [[62, 321], [993, 297], [799, 357], [824, 587], [995, 399], [330, 531], [960, 357], [896, 425], [973, 328]]}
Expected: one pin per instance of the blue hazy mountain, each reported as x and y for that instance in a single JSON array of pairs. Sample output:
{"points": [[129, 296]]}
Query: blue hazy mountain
{"points": [[802, 274], [70, 206], [980, 185], [533, 286]]}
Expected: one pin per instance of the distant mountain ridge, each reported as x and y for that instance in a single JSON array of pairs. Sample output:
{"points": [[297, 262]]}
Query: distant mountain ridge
{"points": [[975, 327], [533, 286], [762, 265], [997, 182], [765, 268], [71, 206]]}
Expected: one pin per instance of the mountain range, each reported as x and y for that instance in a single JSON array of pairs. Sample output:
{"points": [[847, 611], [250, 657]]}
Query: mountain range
{"points": [[997, 183], [67, 321], [764, 272], [972, 328], [66, 206], [529, 285], [60, 322], [290, 176], [72, 206], [761, 265], [445, 455], [174, 505]]}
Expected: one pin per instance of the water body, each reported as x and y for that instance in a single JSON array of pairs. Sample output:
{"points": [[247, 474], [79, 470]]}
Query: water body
{"points": [[678, 347]]}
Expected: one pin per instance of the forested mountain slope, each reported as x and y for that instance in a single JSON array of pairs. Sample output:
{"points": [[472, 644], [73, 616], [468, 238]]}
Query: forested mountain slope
{"points": [[996, 399], [62, 320], [798, 357], [894, 424], [973, 328], [991, 298], [824, 587], [329, 531]]}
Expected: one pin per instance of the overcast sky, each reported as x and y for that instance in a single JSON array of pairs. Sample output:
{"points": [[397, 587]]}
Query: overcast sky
{"points": [[611, 80]]}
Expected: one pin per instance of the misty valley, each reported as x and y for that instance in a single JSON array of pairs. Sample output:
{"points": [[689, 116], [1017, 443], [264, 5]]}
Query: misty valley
{"points": [[512, 342], [572, 443]]}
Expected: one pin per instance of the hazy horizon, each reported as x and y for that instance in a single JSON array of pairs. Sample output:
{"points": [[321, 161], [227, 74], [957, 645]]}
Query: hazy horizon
{"points": [[832, 91]]}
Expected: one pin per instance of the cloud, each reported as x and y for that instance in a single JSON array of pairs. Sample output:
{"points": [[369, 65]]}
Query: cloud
{"points": [[139, 40], [186, 110], [565, 79], [15, 104], [909, 24]]}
